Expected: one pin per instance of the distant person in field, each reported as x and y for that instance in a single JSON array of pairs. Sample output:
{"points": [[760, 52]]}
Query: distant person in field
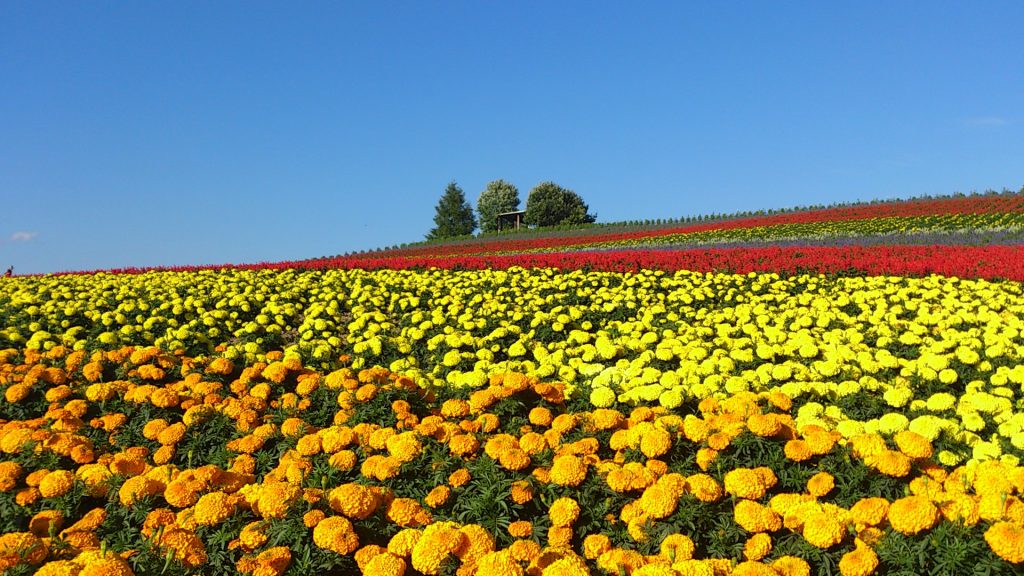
{"points": [[10, 272]]}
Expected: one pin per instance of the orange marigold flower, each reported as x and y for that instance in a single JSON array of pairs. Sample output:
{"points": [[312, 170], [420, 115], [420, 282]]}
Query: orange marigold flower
{"points": [[820, 484], [559, 536], [353, 500], [252, 535], [764, 425], [455, 408], [890, 463], [438, 496], [407, 513], [520, 529], [745, 483], [438, 542], [869, 511], [913, 444], [106, 563], [791, 566], [564, 512], [912, 515], [705, 456], [568, 470], [677, 547], [514, 459], [658, 501], [757, 547], [335, 533], [459, 478], [1006, 539], [213, 508], [704, 487], [862, 561], [56, 483], [385, 564], [755, 517], [137, 488], [500, 563], [402, 543], [822, 530], [656, 442], [9, 474], [273, 561], [16, 547], [798, 450]]}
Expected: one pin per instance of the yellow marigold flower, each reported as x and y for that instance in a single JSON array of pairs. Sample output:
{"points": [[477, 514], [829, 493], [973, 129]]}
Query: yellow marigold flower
{"points": [[335, 533], [822, 530], [719, 441], [961, 508], [1006, 539], [860, 562], [564, 512], [820, 484], [568, 470], [791, 566], [869, 511], [757, 547], [912, 515], [9, 474], [56, 483], [500, 563], [658, 501], [677, 547], [745, 483]]}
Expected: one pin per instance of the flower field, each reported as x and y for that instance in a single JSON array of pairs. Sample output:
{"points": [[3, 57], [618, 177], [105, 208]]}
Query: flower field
{"points": [[604, 403]]}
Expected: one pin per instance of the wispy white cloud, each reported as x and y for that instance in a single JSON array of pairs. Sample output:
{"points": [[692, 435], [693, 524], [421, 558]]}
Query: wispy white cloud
{"points": [[23, 236], [985, 122]]}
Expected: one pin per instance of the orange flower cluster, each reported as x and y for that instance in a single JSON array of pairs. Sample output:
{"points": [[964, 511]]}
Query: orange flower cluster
{"points": [[549, 457]]}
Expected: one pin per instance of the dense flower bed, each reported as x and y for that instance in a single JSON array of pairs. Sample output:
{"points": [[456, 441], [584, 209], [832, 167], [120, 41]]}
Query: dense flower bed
{"points": [[139, 461]]}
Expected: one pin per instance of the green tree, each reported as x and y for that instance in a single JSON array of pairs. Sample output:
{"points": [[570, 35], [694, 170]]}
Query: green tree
{"points": [[550, 205], [497, 198], [454, 215]]}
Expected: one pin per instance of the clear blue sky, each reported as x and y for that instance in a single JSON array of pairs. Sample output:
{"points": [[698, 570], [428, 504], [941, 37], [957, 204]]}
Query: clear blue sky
{"points": [[175, 133]]}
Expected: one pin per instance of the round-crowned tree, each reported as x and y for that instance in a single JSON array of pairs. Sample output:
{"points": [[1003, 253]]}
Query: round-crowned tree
{"points": [[498, 197], [551, 205]]}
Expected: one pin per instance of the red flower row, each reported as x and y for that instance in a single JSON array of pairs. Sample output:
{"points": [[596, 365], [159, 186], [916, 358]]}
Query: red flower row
{"points": [[996, 204]]}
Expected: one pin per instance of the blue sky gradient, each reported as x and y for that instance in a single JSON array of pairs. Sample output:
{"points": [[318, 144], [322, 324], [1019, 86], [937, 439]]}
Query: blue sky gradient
{"points": [[180, 133]]}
